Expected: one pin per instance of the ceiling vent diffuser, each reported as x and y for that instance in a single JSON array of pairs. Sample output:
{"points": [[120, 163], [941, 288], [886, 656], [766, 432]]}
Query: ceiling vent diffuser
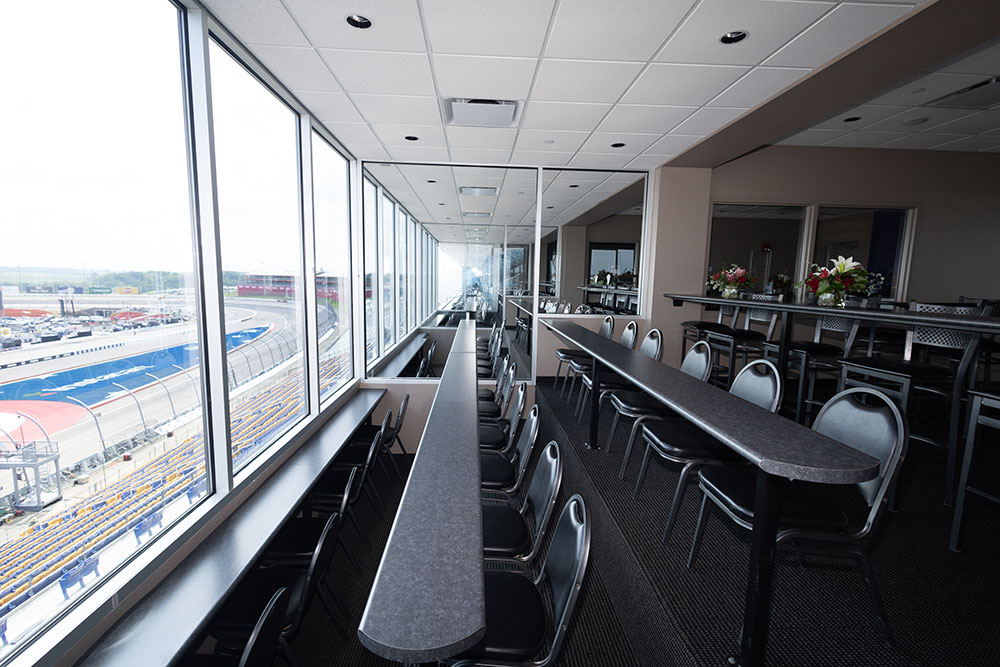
{"points": [[481, 113], [983, 95]]}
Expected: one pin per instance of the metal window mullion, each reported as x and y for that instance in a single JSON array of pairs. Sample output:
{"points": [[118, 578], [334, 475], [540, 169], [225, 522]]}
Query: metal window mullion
{"points": [[208, 253], [357, 240], [307, 236], [807, 239], [537, 268]]}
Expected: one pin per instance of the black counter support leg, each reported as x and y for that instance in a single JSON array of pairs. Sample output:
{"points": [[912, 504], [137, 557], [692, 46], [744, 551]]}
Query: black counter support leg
{"points": [[595, 407], [756, 614]]}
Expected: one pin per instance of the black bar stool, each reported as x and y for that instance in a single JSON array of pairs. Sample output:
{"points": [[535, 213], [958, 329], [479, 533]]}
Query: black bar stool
{"points": [[568, 354], [987, 396]]}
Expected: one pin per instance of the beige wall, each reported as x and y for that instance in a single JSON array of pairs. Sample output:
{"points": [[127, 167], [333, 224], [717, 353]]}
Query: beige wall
{"points": [[956, 196], [572, 263]]}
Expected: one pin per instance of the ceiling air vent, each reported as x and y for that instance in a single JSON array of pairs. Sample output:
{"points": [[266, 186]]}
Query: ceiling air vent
{"points": [[477, 191], [481, 113], [983, 95]]}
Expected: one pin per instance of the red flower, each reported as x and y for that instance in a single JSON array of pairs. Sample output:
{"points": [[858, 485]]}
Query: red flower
{"points": [[741, 279]]}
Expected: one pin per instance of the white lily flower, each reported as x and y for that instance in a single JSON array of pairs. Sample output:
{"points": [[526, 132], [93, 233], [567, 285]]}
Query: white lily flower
{"points": [[842, 265]]}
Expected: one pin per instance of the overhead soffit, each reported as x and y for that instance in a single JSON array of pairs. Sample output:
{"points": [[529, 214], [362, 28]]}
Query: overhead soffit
{"points": [[652, 76]]}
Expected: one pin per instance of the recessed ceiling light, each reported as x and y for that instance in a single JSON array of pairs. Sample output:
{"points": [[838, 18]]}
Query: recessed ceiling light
{"points": [[550, 141], [430, 181], [734, 36], [574, 186], [618, 144], [914, 121], [410, 137], [359, 21], [440, 203], [852, 119], [550, 207]]}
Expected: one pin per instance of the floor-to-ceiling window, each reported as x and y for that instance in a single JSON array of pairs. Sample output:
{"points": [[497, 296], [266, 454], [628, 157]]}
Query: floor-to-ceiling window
{"points": [[369, 197], [387, 243]]}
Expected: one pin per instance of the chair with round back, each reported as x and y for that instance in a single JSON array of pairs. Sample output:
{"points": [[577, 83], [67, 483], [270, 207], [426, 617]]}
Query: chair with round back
{"points": [[581, 365], [566, 354], [486, 394], [262, 644], [499, 433], [505, 470], [498, 407], [863, 418], [684, 443], [652, 347]]}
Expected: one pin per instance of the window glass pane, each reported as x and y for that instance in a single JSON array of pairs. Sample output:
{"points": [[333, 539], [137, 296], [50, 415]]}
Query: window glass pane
{"points": [[761, 238], [873, 237], [331, 208], [411, 278], [386, 237], [401, 258], [369, 200], [257, 179], [101, 422]]}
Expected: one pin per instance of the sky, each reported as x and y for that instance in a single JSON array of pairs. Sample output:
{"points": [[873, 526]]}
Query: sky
{"points": [[93, 164]]}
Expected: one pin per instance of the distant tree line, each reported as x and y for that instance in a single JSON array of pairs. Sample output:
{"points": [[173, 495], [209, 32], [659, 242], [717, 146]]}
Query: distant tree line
{"points": [[145, 281]]}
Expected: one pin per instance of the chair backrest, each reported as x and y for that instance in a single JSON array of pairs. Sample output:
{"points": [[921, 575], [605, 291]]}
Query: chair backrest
{"points": [[263, 642], [351, 490], [652, 344], [994, 305], [517, 407], [318, 565], [422, 368], [431, 351], [955, 339], [629, 335], [607, 327], [508, 389], [399, 417], [375, 446], [760, 383], [501, 375], [564, 567], [877, 429], [698, 361], [525, 443], [542, 492], [840, 324]]}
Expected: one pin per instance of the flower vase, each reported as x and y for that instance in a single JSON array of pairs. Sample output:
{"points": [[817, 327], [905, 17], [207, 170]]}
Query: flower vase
{"points": [[831, 299], [731, 292]]}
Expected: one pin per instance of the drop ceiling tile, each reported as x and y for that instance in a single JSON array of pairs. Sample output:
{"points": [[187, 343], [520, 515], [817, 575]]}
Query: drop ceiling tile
{"points": [[769, 25], [838, 31], [648, 161], [483, 27], [368, 152], [864, 139], [492, 138], [926, 89], [330, 107], [979, 142], [644, 118], [381, 73], [484, 77], [298, 68], [398, 109], [708, 119], [976, 123], [813, 137], [394, 135], [562, 115], [352, 133], [601, 160], [258, 21], [672, 144], [921, 140], [550, 140], [583, 80], [395, 24], [867, 115], [480, 155], [984, 62], [625, 30], [934, 116], [600, 142], [540, 158], [759, 84], [684, 85]]}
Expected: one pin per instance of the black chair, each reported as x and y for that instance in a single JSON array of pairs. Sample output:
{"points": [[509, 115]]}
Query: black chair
{"points": [[486, 394], [235, 620], [568, 354], [681, 442], [505, 470], [430, 358], [580, 366], [652, 347], [641, 407], [337, 491], [355, 454], [507, 532], [390, 434], [516, 619], [332, 481], [809, 523], [694, 330], [499, 433], [809, 358], [745, 341], [986, 396], [262, 644], [908, 379], [498, 406], [422, 369]]}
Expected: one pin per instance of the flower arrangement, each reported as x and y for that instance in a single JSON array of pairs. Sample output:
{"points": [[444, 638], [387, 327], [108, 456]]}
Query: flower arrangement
{"points": [[875, 283], [730, 280], [780, 282], [845, 277]]}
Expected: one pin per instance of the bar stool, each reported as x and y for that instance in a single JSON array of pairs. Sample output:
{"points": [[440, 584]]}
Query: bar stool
{"points": [[745, 340], [904, 379], [695, 330], [567, 354], [986, 396]]}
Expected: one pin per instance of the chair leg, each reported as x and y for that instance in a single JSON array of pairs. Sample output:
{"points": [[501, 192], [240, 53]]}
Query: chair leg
{"points": [[395, 468], [642, 472], [953, 427], [357, 527], [628, 452], [582, 402], [337, 603], [555, 383], [328, 608], [682, 483], [636, 425], [702, 519], [614, 427], [372, 498], [866, 572], [350, 557], [963, 482], [400, 443], [286, 652]]}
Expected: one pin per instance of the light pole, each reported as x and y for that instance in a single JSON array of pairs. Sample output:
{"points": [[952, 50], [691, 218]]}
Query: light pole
{"points": [[270, 351], [35, 422], [197, 391], [169, 398], [134, 398], [100, 434]]}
